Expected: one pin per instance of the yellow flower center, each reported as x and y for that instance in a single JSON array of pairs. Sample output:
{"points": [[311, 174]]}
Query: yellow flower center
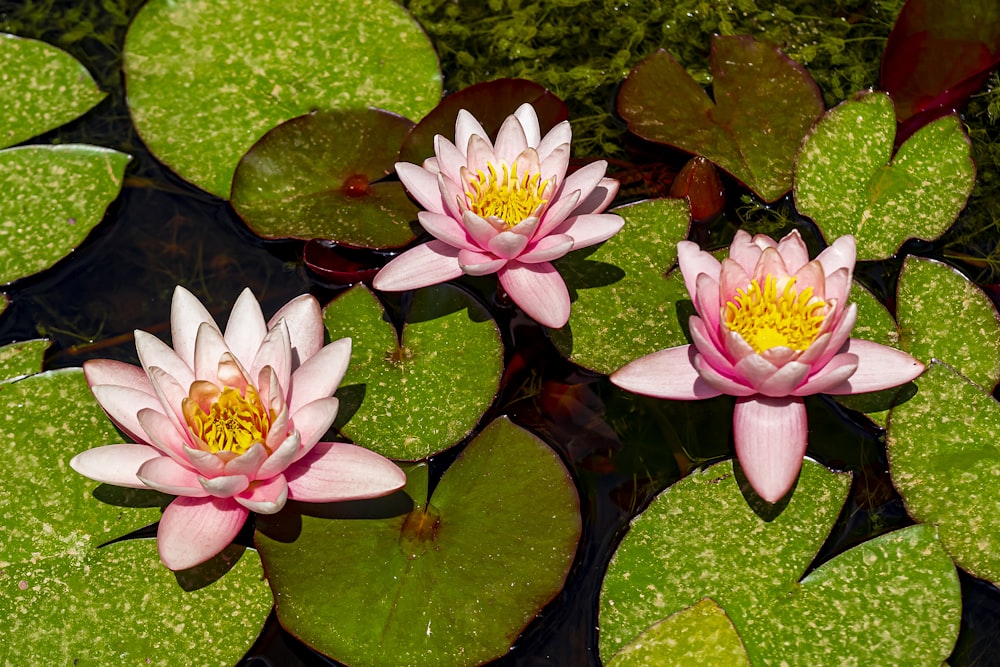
{"points": [[505, 195], [766, 319], [233, 423]]}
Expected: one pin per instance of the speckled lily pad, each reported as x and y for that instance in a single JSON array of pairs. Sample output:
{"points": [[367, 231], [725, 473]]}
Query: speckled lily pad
{"points": [[42, 88], [207, 78], [449, 580], [51, 198], [624, 301], [410, 396], [849, 182], [68, 602], [20, 359]]}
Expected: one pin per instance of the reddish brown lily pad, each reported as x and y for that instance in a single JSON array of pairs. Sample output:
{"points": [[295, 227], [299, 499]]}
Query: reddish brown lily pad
{"points": [[764, 104]]}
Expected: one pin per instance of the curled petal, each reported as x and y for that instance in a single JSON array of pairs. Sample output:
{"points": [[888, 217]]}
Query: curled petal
{"points": [[154, 352], [744, 251], [428, 264], [561, 134], [422, 186], [732, 278], [708, 346], [123, 405], [114, 464], [321, 375], [669, 374], [266, 497], [770, 439], [193, 530], [225, 486], [287, 452], [722, 384], [511, 140], [539, 290], [480, 229], [106, 371], [588, 230], [841, 367], [548, 249], [275, 352], [507, 245], [693, 262], [755, 370], [480, 263], [553, 167], [248, 462], [166, 475], [599, 198], [771, 263], [337, 471], [245, 329], [208, 349], [879, 367], [785, 380], [313, 419], [304, 320], [205, 463], [478, 154], [446, 228], [466, 127], [186, 316], [528, 119], [793, 249], [841, 255], [163, 434]]}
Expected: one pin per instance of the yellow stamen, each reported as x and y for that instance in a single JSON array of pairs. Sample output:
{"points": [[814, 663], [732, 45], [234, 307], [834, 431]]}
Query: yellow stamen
{"points": [[766, 319], [233, 423], [505, 196]]}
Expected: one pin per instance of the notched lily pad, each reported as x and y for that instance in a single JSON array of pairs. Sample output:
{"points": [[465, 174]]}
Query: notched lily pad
{"points": [[624, 303], [931, 293], [42, 88], [412, 395], [451, 582], [848, 181], [315, 177], [20, 359], [52, 197], [207, 78], [764, 104], [945, 462]]}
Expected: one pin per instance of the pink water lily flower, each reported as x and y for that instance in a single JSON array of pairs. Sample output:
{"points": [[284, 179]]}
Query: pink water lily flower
{"points": [[230, 422], [772, 327], [506, 208]]}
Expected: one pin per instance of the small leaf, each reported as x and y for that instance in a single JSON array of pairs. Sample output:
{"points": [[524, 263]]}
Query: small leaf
{"points": [[52, 197], [945, 462], [314, 177], [624, 303], [20, 359], [764, 104], [410, 396], [452, 581], [882, 200], [207, 78], [42, 88], [931, 293]]}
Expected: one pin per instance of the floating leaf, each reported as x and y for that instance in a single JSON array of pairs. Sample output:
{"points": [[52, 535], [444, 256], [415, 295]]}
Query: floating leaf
{"points": [[407, 397], [624, 303], [67, 601], [882, 200], [700, 538], [52, 197], [764, 104], [490, 102], [946, 464], [452, 581], [20, 359], [698, 635], [207, 78], [314, 177], [42, 88], [931, 293]]}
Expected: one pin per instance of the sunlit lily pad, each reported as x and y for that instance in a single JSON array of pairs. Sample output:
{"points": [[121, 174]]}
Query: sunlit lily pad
{"points": [[624, 303], [42, 88], [313, 177], [848, 181], [764, 104], [700, 538], [701, 635], [945, 461], [410, 396], [67, 601], [51, 198], [207, 78], [21, 359], [449, 582], [944, 316]]}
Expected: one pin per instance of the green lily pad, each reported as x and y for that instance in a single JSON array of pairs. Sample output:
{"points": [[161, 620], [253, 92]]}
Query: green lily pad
{"points": [[207, 78], [313, 177], [410, 396], [945, 462], [452, 581], [624, 301], [52, 197], [764, 104], [879, 198], [700, 539], [930, 293], [64, 598], [701, 634], [20, 359], [42, 88]]}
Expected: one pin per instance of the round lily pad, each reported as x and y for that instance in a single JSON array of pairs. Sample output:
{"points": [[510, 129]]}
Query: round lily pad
{"points": [[67, 600], [879, 198], [314, 177], [452, 580], [52, 197], [42, 88], [207, 78], [624, 303], [411, 395]]}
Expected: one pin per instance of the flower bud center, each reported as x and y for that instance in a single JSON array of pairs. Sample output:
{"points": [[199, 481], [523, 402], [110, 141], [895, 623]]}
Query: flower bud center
{"points": [[505, 195], [766, 319], [233, 423]]}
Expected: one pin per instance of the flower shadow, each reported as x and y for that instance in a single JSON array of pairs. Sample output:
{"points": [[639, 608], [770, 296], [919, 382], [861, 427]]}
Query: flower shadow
{"points": [[206, 574], [286, 525]]}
